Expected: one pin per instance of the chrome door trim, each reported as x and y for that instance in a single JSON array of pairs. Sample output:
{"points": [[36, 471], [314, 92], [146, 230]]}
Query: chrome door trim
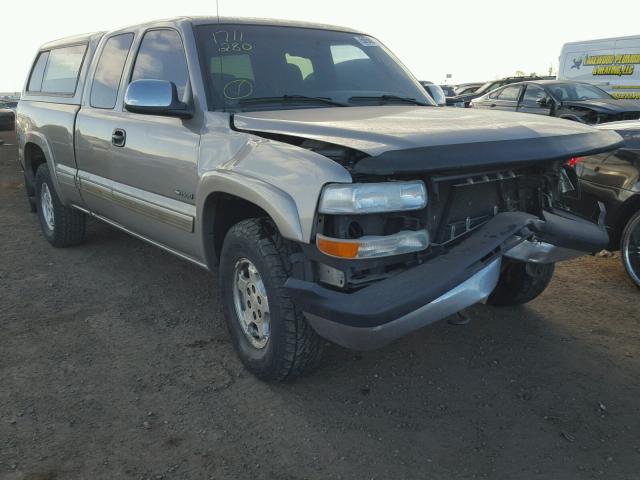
{"points": [[142, 237], [162, 209]]}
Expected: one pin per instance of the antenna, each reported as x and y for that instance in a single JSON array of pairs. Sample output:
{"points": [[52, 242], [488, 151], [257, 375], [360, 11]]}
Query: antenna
{"points": [[218, 10]]}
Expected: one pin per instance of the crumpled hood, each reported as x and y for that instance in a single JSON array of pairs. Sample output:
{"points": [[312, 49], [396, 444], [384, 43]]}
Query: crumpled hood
{"points": [[607, 105], [413, 138]]}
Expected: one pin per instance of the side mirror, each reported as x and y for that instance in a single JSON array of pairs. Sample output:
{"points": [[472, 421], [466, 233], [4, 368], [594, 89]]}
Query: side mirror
{"points": [[155, 97]]}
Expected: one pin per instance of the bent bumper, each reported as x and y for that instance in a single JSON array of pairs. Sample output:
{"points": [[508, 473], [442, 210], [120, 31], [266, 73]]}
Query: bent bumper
{"points": [[446, 284]]}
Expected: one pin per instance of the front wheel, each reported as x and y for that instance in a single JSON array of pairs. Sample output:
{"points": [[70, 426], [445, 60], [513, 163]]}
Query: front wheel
{"points": [[520, 282], [274, 340], [630, 248]]}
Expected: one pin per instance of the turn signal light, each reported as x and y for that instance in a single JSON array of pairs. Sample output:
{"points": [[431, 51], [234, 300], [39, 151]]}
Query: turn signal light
{"points": [[337, 248]]}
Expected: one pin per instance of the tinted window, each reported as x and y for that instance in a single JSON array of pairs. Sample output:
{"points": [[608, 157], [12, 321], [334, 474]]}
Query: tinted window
{"points": [[532, 94], [106, 80], [578, 91], [63, 67], [161, 57], [35, 82], [509, 93], [242, 63]]}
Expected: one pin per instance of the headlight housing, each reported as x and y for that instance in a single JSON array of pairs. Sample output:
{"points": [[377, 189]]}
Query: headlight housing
{"points": [[363, 198]]}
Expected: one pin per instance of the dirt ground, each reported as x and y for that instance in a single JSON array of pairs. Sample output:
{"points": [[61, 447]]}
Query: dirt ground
{"points": [[115, 363]]}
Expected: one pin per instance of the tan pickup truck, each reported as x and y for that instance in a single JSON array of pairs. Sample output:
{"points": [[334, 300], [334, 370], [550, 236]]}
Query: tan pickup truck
{"points": [[306, 166]]}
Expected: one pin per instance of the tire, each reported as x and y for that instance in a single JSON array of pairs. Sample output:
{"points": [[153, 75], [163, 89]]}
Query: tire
{"points": [[289, 347], [68, 225], [630, 248], [520, 282], [30, 196]]}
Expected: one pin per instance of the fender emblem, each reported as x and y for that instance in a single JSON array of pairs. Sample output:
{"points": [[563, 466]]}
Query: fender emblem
{"points": [[181, 194]]}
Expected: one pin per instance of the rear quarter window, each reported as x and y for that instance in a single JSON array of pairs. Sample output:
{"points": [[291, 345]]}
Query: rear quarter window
{"points": [[37, 72], [62, 70]]}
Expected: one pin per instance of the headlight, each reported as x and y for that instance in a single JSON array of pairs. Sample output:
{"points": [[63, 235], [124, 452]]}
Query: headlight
{"points": [[361, 198]]}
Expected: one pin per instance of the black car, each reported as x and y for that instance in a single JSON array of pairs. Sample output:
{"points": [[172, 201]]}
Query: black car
{"points": [[449, 90], [465, 99], [466, 88], [614, 180], [578, 101], [7, 119]]}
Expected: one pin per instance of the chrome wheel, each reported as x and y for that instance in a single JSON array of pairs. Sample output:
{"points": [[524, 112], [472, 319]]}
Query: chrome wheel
{"points": [[251, 302], [631, 250], [46, 205]]}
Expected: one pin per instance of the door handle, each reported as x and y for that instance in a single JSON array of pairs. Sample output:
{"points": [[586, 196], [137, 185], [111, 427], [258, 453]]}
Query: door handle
{"points": [[492, 105], [118, 137]]}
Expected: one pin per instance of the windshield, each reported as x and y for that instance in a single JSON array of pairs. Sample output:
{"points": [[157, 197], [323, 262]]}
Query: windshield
{"points": [[252, 67], [577, 91]]}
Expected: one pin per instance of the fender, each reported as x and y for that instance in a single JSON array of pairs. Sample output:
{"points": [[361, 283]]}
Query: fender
{"points": [[282, 179], [278, 204], [41, 141]]}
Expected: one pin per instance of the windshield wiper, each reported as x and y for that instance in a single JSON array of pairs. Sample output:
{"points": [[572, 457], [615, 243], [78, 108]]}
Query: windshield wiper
{"points": [[291, 99], [393, 98]]}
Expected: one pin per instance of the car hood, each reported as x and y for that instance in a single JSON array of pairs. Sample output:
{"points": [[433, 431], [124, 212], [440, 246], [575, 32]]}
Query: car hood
{"points": [[408, 138], [606, 105]]}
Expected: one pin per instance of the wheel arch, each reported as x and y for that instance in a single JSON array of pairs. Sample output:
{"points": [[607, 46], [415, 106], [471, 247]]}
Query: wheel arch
{"points": [[622, 216], [36, 151], [228, 198]]}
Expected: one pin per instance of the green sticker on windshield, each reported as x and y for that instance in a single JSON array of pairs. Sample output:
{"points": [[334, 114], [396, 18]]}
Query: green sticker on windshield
{"points": [[366, 41]]}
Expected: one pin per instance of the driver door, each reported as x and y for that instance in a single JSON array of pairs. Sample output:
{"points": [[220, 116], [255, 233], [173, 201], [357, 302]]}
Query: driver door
{"points": [[535, 100]]}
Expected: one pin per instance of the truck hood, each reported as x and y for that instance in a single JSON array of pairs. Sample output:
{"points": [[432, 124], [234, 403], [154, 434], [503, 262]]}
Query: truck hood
{"points": [[414, 138], [606, 105]]}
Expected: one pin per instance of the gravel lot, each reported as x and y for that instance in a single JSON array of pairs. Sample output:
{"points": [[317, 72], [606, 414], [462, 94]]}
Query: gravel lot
{"points": [[115, 363]]}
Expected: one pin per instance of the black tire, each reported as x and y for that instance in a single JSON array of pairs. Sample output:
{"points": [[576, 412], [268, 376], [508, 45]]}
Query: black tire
{"points": [[520, 282], [292, 347], [630, 248], [69, 224], [31, 196]]}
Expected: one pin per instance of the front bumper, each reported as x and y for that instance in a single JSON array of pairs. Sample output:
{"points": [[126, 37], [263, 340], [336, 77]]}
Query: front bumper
{"points": [[446, 284]]}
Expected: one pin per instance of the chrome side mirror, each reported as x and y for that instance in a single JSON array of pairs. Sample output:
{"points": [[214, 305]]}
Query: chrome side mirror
{"points": [[155, 97]]}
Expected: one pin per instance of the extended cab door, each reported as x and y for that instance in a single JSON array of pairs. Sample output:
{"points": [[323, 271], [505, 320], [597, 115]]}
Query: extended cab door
{"points": [[535, 100], [149, 162]]}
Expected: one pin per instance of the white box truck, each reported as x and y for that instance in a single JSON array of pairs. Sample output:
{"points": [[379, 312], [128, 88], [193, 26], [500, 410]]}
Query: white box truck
{"points": [[611, 63]]}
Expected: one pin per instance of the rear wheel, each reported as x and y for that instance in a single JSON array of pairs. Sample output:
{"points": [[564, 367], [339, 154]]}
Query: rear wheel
{"points": [[630, 248], [274, 340], [520, 282], [62, 226]]}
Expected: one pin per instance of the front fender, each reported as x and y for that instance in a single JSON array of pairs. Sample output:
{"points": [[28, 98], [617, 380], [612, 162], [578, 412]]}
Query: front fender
{"points": [[284, 180]]}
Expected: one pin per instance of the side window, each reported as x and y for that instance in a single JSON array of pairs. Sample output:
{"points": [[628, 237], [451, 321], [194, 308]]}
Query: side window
{"points": [[509, 93], [63, 67], [495, 93], [532, 94], [106, 80], [161, 57], [37, 74]]}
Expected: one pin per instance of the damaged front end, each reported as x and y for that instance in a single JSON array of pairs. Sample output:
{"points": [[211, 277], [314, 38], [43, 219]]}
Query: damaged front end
{"points": [[399, 251], [422, 233]]}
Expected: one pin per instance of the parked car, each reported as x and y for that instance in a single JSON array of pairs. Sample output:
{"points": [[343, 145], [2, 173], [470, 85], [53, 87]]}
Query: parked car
{"points": [[307, 167], [464, 100], [577, 101], [611, 63], [435, 92], [7, 119], [613, 178], [449, 90], [465, 88]]}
